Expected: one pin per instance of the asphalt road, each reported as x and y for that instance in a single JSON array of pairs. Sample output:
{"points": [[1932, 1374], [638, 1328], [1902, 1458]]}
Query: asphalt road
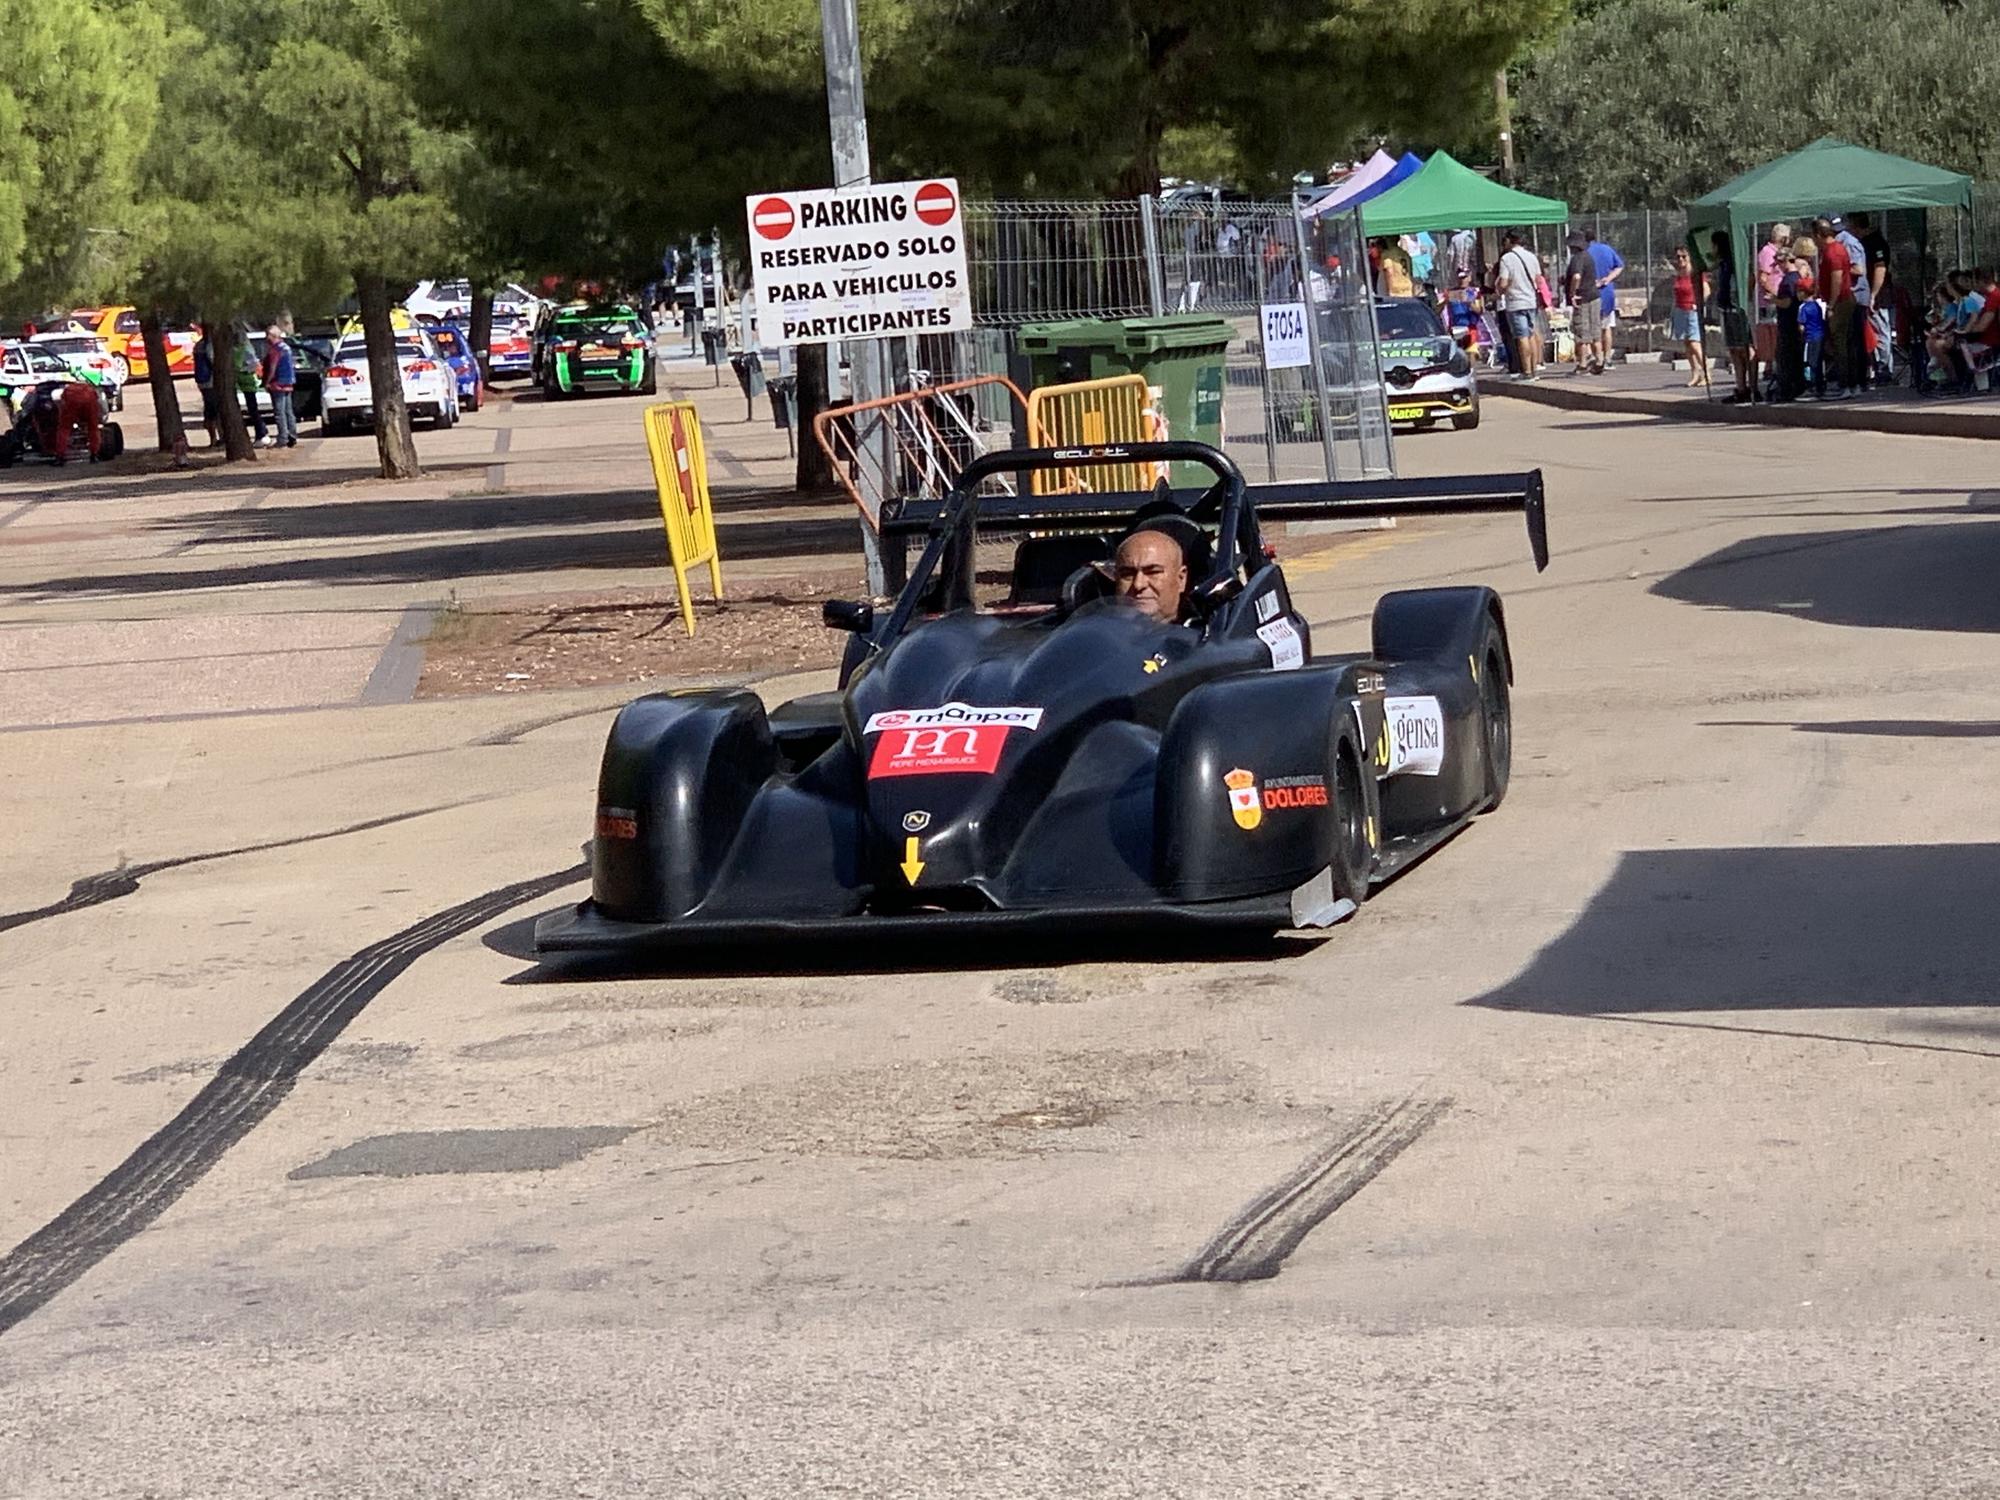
{"points": [[1633, 1145]]}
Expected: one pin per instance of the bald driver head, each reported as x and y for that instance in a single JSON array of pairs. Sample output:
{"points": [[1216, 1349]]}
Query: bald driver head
{"points": [[1151, 574]]}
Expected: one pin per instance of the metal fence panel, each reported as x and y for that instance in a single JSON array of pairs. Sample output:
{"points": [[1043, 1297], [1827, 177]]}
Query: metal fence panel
{"points": [[1034, 262]]}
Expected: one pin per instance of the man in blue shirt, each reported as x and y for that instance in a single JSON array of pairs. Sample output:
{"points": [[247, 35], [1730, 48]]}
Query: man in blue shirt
{"points": [[1609, 263]]}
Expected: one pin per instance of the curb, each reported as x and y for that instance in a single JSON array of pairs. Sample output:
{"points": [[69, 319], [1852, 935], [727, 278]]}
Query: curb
{"points": [[1839, 418]]}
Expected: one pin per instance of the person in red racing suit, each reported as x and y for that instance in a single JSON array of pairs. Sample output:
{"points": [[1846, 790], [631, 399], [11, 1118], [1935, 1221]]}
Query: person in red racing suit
{"points": [[77, 408]]}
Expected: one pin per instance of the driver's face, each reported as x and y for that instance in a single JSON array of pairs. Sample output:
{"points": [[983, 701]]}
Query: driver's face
{"points": [[1151, 574]]}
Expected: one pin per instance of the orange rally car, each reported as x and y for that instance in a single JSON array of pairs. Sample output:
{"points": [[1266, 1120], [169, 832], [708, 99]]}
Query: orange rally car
{"points": [[119, 328]]}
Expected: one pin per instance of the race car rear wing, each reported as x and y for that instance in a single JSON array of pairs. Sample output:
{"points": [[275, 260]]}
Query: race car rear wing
{"points": [[1354, 499]]}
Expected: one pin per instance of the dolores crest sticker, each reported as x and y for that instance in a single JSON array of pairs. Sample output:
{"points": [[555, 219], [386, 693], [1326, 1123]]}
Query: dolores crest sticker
{"points": [[1244, 805]]}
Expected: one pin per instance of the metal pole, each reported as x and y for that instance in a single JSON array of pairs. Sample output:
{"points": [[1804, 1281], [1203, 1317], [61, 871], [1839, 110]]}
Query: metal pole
{"points": [[1267, 373], [847, 121], [721, 330], [1506, 126], [1149, 229], [1325, 412]]}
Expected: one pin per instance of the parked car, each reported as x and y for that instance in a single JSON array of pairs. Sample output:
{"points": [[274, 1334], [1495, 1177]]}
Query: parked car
{"points": [[457, 351], [429, 388], [90, 357], [118, 326], [310, 361], [511, 350], [451, 302], [604, 347], [25, 365]]}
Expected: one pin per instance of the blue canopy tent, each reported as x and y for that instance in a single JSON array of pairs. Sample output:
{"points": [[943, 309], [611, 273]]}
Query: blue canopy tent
{"points": [[1349, 194]]}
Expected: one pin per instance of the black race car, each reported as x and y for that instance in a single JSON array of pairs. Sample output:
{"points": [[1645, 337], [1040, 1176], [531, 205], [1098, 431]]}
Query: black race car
{"points": [[1013, 748]]}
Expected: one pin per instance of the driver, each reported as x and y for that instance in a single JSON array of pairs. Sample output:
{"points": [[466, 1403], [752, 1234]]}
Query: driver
{"points": [[1150, 573]]}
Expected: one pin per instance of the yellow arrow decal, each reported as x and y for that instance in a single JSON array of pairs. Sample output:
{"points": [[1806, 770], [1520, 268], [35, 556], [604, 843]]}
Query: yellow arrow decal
{"points": [[912, 866]]}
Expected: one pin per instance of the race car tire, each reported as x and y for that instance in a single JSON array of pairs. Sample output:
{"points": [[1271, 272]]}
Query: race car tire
{"points": [[1353, 849], [10, 450], [1496, 713], [123, 366], [331, 424], [650, 386], [110, 443]]}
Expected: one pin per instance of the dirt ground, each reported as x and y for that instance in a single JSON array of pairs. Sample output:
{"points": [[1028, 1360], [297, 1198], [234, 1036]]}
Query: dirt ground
{"points": [[629, 635]]}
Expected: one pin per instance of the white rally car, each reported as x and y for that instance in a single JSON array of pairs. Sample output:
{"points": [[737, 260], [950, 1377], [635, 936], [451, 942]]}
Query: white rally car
{"points": [[91, 357], [430, 389]]}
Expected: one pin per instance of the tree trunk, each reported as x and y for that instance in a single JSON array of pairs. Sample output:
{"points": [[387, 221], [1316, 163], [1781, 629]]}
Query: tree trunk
{"points": [[481, 332], [166, 400], [393, 440], [224, 349], [814, 471]]}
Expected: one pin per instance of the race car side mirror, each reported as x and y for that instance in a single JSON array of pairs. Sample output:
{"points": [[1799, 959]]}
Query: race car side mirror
{"points": [[856, 615]]}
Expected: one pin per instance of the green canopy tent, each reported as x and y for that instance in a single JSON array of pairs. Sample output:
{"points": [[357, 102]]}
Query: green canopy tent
{"points": [[1448, 195], [1828, 176]]}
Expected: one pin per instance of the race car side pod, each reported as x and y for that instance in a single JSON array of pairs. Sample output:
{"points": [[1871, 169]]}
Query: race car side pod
{"points": [[1455, 495]]}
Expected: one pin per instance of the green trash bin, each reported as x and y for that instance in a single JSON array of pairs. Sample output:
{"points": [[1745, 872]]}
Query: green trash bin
{"points": [[1182, 356]]}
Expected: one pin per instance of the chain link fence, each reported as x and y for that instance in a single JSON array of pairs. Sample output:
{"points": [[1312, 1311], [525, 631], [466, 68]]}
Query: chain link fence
{"points": [[1038, 262]]}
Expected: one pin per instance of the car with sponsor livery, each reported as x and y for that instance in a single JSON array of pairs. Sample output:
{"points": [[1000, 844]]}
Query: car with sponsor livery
{"points": [[119, 327], [1426, 375], [594, 347], [450, 301], [510, 351], [456, 349], [25, 365], [430, 390], [90, 357], [1013, 748]]}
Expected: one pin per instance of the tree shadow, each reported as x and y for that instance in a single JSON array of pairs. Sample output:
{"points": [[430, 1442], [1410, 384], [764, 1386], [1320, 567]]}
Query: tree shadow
{"points": [[622, 547], [1849, 927], [1937, 577]]}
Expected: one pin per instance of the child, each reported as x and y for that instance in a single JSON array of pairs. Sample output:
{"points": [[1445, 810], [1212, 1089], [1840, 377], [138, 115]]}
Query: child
{"points": [[1812, 329]]}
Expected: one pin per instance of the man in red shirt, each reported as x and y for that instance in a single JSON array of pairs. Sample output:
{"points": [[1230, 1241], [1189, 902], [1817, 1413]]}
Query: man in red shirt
{"points": [[1836, 289]]}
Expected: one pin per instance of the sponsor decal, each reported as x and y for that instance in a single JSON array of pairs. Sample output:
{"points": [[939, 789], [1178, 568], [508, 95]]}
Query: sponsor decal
{"points": [[1415, 727], [1267, 606], [916, 822], [1369, 682], [1288, 652], [1153, 663], [1244, 805], [970, 750], [952, 714], [617, 823], [1282, 792]]}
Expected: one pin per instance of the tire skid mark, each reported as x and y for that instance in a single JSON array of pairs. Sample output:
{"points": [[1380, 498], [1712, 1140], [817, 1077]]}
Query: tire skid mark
{"points": [[1260, 1237], [242, 1094], [109, 885]]}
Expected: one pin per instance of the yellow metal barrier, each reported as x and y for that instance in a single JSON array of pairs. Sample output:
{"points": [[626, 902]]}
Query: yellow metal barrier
{"points": [[680, 469], [1089, 414]]}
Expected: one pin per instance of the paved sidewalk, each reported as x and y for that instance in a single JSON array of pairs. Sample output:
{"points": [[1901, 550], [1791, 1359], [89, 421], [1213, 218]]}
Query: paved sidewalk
{"points": [[1658, 390]]}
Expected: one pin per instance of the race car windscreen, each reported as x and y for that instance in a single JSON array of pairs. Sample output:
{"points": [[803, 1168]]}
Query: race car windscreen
{"points": [[1406, 320], [69, 347], [608, 332]]}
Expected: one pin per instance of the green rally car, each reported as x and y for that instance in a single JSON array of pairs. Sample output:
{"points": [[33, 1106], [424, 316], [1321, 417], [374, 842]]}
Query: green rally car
{"points": [[601, 348]]}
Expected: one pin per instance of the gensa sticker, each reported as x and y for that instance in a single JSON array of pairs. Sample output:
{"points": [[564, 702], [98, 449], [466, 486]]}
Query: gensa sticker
{"points": [[1288, 652], [1415, 730]]}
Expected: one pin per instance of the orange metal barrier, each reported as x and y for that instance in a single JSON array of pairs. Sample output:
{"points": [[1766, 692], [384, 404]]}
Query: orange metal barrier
{"points": [[680, 469], [932, 433]]}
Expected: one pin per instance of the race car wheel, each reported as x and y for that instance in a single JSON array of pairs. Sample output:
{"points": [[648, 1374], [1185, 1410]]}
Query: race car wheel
{"points": [[1353, 849], [1496, 714], [123, 366], [1465, 421], [110, 443]]}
